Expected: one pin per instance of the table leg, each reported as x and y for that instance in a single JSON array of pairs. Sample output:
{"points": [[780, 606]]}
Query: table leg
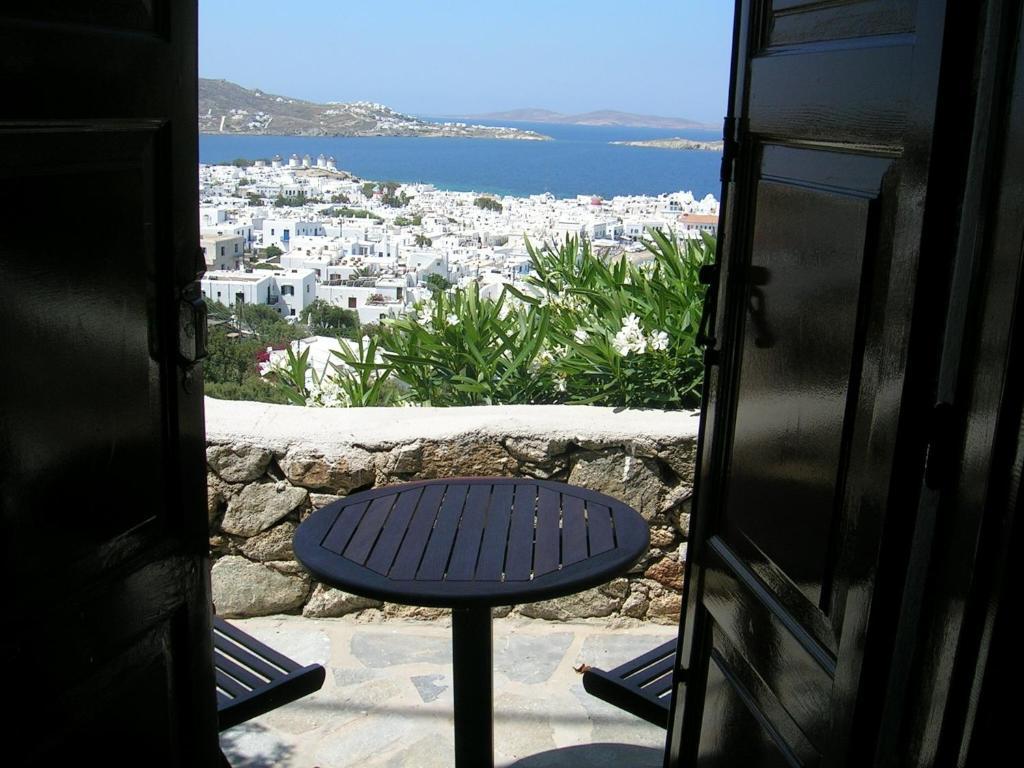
{"points": [[472, 678]]}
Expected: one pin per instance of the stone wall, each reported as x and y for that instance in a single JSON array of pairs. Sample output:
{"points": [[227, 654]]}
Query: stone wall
{"points": [[271, 465]]}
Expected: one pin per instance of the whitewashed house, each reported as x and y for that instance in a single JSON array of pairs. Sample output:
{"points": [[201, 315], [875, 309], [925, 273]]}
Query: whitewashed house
{"points": [[280, 232], [222, 250]]}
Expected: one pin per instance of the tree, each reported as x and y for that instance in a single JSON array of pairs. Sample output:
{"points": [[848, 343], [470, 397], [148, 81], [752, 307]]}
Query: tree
{"points": [[232, 359], [266, 324], [423, 241], [271, 252], [327, 319], [253, 198], [436, 282], [368, 189], [341, 197], [488, 203], [351, 213], [406, 221], [290, 202]]}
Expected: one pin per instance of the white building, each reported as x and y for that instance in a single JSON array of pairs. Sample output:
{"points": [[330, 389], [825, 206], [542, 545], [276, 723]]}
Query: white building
{"points": [[287, 291], [222, 249], [692, 224], [387, 297], [280, 232], [211, 215], [232, 287], [297, 290]]}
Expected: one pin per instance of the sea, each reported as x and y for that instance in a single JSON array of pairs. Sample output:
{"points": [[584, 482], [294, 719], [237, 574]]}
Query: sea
{"points": [[580, 161]]}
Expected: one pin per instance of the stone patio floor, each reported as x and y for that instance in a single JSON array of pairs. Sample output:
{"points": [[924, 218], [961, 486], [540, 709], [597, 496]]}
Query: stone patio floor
{"points": [[387, 700]]}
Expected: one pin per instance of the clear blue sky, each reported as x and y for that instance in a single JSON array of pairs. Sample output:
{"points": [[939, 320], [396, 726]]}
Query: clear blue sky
{"points": [[447, 57]]}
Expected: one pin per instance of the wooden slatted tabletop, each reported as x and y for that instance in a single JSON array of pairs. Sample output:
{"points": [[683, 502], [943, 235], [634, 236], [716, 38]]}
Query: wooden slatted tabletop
{"points": [[471, 541], [470, 544]]}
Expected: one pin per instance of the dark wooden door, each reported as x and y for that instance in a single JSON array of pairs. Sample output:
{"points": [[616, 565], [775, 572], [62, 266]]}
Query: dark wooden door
{"points": [[106, 646], [819, 388]]}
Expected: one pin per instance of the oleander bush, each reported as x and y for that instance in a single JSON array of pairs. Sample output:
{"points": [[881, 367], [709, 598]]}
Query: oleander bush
{"points": [[579, 329]]}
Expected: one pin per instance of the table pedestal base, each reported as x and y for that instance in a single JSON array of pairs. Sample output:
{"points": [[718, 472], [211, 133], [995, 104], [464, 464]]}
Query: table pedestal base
{"points": [[472, 681]]}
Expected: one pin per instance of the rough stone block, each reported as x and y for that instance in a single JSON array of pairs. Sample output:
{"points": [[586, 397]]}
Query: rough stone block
{"points": [[259, 506], [592, 603], [661, 537], [531, 450], [465, 458], [239, 462], [401, 460], [682, 523], [217, 494], [396, 611], [635, 481], [327, 602], [339, 473], [636, 603], [664, 609], [318, 500], [681, 458], [668, 572], [616, 588], [273, 544], [242, 588]]}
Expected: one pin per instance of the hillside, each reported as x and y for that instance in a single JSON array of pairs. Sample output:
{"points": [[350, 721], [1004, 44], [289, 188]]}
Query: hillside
{"points": [[675, 143], [228, 108], [601, 117]]}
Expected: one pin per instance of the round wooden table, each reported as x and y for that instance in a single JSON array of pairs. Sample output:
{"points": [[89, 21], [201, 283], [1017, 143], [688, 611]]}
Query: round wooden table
{"points": [[470, 544]]}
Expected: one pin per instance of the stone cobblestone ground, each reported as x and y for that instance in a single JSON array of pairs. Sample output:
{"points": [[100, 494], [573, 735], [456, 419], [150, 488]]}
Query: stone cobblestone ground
{"points": [[387, 700]]}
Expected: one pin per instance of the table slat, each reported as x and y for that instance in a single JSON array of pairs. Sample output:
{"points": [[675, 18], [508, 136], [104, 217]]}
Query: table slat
{"points": [[439, 548], [547, 547], [383, 554], [468, 539], [492, 548], [574, 530], [358, 549], [519, 554], [337, 538], [599, 528], [411, 551]]}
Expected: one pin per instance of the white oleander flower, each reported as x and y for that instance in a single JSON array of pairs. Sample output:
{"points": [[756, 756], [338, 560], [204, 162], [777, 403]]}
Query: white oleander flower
{"points": [[658, 341], [631, 338], [560, 382], [581, 335], [452, 319]]}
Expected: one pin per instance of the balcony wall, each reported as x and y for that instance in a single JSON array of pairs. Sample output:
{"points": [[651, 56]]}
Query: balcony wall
{"points": [[271, 465]]}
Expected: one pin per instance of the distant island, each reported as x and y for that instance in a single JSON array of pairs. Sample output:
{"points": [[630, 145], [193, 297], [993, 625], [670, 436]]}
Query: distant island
{"points": [[678, 143], [228, 108], [606, 117]]}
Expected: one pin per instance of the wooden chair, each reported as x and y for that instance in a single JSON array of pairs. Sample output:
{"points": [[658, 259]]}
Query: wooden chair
{"points": [[642, 687], [253, 678]]}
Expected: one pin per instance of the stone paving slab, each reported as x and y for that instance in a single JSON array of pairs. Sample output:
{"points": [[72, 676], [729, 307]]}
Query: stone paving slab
{"points": [[387, 700]]}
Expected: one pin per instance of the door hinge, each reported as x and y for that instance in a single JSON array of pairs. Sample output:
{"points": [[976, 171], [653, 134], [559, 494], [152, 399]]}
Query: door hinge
{"points": [[730, 148], [708, 276], [940, 456], [192, 339]]}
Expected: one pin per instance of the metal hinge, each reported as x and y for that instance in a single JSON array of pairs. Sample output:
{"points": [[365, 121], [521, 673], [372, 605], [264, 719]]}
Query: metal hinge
{"points": [[708, 276], [192, 344], [730, 148]]}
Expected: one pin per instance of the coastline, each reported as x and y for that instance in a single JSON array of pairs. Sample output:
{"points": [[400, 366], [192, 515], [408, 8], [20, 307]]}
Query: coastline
{"points": [[675, 144]]}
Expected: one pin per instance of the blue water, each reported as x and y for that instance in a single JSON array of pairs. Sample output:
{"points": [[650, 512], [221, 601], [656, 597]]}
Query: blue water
{"points": [[579, 162]]}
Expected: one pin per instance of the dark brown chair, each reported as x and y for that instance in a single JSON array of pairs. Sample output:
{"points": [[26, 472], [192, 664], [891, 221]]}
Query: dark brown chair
{"points": [[642, 687], [253, 678]]}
